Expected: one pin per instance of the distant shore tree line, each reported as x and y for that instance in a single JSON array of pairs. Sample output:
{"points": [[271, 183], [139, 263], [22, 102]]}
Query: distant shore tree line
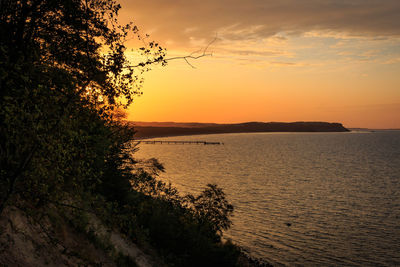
{"points": [[64, 76]]}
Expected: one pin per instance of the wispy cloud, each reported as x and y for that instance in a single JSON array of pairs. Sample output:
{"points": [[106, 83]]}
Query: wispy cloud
{"points": [[392, 61], [240, 19], [288, 30]]}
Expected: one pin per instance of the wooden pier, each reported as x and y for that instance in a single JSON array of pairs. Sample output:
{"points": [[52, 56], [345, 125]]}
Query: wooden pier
{"points": [[177, 142]]}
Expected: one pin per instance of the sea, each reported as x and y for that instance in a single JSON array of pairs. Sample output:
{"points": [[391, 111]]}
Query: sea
{"points": [[301, 199]]}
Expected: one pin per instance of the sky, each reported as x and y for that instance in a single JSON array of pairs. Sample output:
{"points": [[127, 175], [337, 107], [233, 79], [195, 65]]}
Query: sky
{"points": [[287, 60]]}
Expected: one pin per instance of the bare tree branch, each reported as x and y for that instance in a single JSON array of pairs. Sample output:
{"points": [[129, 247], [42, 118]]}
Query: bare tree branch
{"points": [[203, 51], [192, 55]]}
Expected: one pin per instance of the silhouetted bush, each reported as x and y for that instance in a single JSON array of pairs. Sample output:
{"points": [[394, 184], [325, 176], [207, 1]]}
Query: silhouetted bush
{"points": [[63, 75]]}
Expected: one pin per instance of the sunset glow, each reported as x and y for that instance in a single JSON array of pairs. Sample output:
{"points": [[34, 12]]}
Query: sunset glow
{"points": [[336, 61]]}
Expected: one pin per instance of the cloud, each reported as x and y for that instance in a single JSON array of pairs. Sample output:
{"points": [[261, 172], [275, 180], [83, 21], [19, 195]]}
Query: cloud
{"points": [[284, 63], [264, 53], [242, 19], [392, 61], [274, 33]]}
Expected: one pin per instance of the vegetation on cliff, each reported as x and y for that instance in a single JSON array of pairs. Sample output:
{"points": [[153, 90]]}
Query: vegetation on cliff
{"points": [[64, 147]]}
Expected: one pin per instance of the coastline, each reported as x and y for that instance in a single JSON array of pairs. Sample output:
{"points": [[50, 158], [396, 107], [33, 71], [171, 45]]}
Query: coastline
{"points": [[164, 130]]}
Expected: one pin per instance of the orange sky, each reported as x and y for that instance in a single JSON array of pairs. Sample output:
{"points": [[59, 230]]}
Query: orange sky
{"points": [[310, 60]]}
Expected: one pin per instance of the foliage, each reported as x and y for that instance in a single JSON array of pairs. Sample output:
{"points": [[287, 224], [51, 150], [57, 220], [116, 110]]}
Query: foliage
{"points": [[62, 73], [212, 207], [63, 77], [187, 230]]}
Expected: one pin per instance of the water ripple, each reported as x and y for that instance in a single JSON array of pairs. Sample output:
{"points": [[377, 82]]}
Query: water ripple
{"points": [[322, 199]]}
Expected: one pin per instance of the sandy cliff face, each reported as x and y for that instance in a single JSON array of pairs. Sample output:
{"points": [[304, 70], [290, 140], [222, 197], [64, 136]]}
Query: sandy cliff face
{"points": [[25, 241]]}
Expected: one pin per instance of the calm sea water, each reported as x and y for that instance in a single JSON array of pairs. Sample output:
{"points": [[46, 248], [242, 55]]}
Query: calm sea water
{"points": [[340, 192]]}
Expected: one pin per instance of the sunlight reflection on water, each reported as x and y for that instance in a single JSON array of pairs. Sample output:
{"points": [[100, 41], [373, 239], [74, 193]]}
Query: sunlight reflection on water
{"points": [[338, 191]]}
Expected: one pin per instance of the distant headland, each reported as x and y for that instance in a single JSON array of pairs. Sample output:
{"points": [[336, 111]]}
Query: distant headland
{"points": [[163, 129]]}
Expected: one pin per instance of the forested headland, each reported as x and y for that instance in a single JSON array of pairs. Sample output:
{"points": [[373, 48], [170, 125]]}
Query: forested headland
{"points": [[154, 129], [67, 164]]}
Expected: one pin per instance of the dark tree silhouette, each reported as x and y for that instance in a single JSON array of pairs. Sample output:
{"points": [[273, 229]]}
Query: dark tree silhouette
{"points": [[62, 70], [63, 78]]}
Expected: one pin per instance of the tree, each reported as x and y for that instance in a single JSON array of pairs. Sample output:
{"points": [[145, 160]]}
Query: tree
{"points": [[62, 73], [63, 77], [212, 208]]}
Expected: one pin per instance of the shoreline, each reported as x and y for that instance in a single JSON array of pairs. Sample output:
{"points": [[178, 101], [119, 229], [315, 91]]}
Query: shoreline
{"points": [[146, 132], [179, 135]]}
